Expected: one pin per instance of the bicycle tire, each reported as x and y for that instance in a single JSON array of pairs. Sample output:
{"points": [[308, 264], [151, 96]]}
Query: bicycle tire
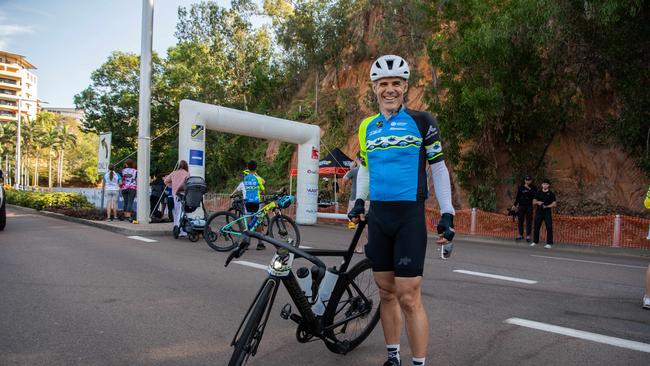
{"points": [[349, 303], [279, 229], [244, 346], [212, 232], [193, 236]]}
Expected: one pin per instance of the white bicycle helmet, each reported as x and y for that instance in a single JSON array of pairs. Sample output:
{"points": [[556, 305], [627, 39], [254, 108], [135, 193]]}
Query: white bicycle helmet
{"points": [[389, 66]]}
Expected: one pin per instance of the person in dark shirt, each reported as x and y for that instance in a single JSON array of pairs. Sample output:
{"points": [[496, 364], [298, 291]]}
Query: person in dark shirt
{"points": [[544, 200], [524, 206]]}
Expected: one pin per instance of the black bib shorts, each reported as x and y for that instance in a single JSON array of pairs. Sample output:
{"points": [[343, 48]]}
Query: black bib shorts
{"points": [[397, 237]]}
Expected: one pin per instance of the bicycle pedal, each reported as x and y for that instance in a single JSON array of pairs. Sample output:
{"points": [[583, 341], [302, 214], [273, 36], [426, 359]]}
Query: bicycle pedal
{"points": [[285, 313]]}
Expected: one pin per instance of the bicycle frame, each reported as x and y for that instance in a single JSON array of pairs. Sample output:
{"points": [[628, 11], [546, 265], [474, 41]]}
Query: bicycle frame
{"points": [[259, 214], [307, 319]]}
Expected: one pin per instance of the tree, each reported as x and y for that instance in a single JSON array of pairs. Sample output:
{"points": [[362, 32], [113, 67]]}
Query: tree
{"points": [[110, 103], [66, 138]]}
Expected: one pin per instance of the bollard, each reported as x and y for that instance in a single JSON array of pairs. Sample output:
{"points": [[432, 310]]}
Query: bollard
{"points": [[616, 239], [472, 224]]}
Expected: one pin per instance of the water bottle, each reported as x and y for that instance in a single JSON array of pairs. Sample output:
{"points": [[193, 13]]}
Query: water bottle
{"points": [[325, 290], [304, 280]]}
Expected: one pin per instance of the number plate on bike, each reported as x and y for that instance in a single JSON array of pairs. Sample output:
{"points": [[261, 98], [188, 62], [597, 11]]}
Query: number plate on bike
{"points": [[280, 265]]}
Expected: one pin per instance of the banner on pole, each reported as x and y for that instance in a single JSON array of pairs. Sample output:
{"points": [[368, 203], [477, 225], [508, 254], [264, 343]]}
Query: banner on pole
{"points": [[104, 152]]}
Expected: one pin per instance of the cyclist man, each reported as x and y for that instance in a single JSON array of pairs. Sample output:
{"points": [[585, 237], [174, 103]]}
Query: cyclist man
{"points": [[253, 191], [395, 146]]}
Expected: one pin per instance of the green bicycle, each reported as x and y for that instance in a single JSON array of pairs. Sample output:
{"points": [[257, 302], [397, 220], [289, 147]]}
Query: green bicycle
{"points": [[223, 230]]}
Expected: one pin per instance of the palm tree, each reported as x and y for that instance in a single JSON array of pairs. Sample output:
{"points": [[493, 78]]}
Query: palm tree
{"points": [[51, 142], [45, 134], [28, 136], [7, 143], [66, 137]]}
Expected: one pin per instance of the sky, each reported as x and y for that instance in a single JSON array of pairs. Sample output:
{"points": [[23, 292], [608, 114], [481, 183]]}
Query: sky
{"points": [[68, 39]]}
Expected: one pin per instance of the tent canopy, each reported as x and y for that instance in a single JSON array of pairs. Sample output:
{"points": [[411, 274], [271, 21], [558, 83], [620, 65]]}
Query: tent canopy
{"points": [[334, 163]]}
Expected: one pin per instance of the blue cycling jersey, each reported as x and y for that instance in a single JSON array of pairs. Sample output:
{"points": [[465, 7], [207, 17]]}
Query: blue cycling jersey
{"points": [[395, 151], [253, 185]]}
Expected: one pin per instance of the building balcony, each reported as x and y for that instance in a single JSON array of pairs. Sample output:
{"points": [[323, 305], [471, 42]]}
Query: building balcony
{"points": [[7, 118], [10, 72], [8, 107], [8, 96], [10, 86]]}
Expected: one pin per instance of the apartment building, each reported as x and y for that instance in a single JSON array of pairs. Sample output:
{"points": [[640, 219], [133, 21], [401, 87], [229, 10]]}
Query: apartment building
{"points": [[17, 83], [76, 114]]}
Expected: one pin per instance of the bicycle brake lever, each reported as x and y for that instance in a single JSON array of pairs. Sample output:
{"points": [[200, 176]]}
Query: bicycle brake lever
{"points": [[243, 246]]}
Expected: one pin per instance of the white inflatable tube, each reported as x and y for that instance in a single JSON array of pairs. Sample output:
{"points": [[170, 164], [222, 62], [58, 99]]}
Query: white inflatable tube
{"points": [[196, 117]]}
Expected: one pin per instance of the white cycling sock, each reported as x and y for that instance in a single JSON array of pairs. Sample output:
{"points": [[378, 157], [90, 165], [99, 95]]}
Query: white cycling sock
{"points": [[418, 361], [393, 350]]}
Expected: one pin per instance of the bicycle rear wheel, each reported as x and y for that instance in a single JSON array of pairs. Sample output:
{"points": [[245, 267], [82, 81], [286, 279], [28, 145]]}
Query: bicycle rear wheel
{"points": [[356, 312], [284, 228], [219, 238], [246, 345]]}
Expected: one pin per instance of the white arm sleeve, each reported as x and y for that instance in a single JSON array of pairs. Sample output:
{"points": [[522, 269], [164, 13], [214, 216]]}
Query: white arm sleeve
{"points": [[442, 186], [363, 183]]}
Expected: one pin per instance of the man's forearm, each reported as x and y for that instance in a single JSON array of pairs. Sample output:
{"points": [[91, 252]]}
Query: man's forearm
{"points": [[363, 183], [442, 185]]}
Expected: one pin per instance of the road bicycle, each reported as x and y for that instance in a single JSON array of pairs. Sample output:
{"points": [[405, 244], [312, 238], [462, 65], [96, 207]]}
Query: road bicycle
{"points": [[223, 230], [351, 309]]}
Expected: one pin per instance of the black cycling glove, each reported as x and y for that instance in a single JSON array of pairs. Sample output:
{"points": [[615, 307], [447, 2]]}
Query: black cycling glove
{"points": [[446, 226], [358, 209]]}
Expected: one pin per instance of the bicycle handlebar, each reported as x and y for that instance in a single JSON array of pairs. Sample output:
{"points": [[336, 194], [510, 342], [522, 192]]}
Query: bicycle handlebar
{"points": [[299, 253]]}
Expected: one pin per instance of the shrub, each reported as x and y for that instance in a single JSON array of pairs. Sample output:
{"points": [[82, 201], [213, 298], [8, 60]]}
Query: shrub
{"points": [[42, 201]]}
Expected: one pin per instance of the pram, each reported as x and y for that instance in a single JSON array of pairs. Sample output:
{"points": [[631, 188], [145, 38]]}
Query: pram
{"points": [[193, 214]]}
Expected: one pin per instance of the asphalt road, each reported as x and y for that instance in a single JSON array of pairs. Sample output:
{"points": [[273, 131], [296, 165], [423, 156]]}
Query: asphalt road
{"points": [[75, 295]]}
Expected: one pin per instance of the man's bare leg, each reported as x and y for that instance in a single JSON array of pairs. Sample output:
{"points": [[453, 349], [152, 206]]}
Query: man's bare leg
{"points": [[391, 315], [408, 290]]}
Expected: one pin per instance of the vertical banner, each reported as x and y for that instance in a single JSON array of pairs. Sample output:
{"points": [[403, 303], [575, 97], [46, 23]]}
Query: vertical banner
{"points": [[104, 152]]}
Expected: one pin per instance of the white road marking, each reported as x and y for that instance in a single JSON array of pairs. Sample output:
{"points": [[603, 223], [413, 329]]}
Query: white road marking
{"points": [[584, 261], [251, 264], [141, 238], [498, 277], [305, 247], [594, 337]]}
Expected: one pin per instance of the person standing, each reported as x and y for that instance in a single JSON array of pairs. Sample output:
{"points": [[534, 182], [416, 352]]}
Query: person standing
{"points": [[351, 178], [156, 196], [170, 202], [129, 187], [112, 182], [253, 191], [396, 144], [544, 200], [524, 207], [176, 180]]}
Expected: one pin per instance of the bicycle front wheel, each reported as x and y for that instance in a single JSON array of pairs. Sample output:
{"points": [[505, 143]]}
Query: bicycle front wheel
{"points": [[246, 345], [221, 232], [284, 228], [353, 309]]}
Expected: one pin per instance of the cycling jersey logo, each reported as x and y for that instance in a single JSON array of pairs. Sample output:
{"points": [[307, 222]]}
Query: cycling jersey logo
{"points": [[387, 142], [314, 153], [404, 261], [437, 147], [432, 131]]}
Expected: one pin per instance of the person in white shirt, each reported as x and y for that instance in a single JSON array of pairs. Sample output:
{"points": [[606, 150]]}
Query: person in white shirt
{"points": [[112, 188]]}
